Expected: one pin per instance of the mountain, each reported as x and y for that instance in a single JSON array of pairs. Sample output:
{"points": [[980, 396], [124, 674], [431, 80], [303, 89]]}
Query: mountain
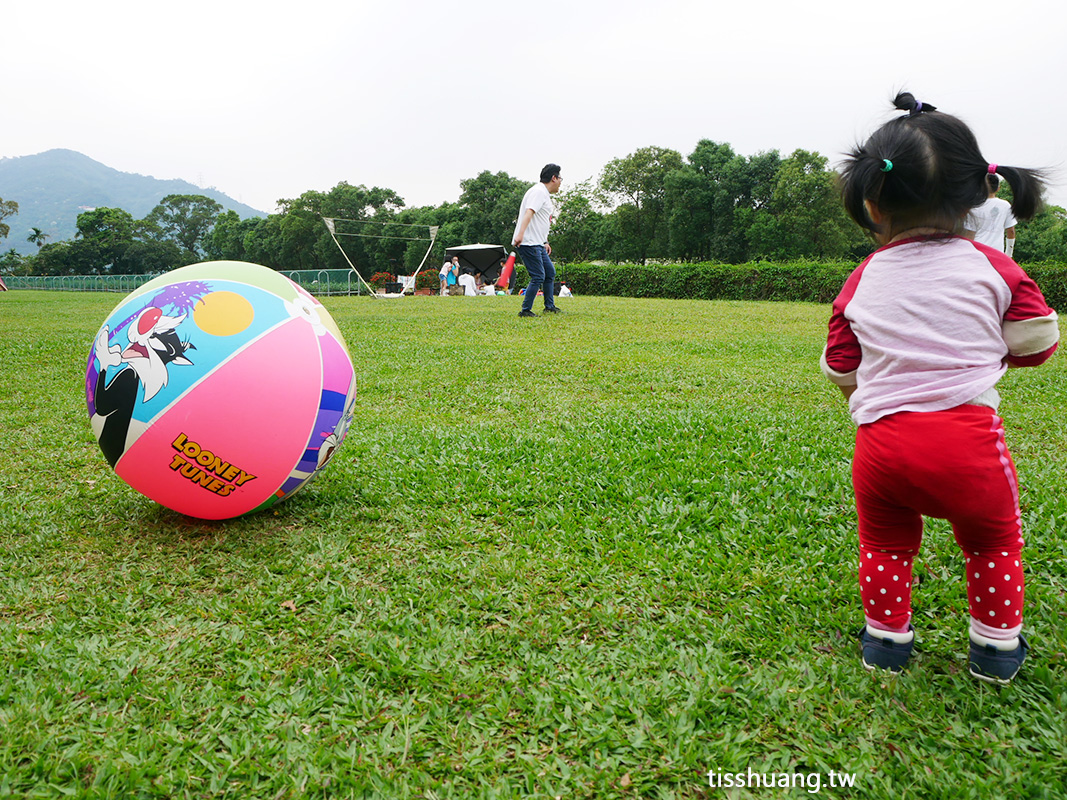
{"points": [[53, 187]]}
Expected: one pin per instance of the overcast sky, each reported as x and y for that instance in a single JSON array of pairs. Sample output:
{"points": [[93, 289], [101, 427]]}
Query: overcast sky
{"points": [[265, 100]]}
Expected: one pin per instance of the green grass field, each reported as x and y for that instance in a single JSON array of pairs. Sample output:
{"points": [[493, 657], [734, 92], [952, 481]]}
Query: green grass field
{"points": [[596, 555]]}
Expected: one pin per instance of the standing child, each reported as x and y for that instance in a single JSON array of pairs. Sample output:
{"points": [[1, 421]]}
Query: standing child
{"points": [[443, 275], [449, 274], [918, 338]]}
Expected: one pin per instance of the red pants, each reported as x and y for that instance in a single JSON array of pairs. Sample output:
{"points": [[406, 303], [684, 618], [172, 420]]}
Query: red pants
{"points": [[952, 465]]}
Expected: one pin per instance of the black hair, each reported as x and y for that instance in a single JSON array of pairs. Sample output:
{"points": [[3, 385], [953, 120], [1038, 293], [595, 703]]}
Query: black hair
{"points": [[992, 182], [549, 172], [925, 169]]}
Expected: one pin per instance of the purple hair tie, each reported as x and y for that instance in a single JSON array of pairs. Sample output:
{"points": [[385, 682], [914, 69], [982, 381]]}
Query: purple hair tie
{"points": [[918, 107]]}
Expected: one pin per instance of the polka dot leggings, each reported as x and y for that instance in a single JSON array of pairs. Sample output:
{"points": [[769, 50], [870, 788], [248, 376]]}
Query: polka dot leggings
{"points": [[994, 589], [952, 465]]}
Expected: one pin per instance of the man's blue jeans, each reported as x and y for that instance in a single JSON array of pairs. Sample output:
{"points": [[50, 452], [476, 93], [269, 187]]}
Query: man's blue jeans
{"points": [[542, 274]]}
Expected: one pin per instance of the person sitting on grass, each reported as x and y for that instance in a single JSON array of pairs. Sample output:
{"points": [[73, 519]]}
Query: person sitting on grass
{"points": [[918, 338], [469, 283]]}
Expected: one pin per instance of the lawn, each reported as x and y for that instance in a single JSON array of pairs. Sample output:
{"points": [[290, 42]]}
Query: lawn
{"points": [[602, 554]]}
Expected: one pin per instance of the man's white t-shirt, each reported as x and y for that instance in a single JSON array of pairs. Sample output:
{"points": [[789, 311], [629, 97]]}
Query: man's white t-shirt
{"points": [[539, 199], [989, 221]]}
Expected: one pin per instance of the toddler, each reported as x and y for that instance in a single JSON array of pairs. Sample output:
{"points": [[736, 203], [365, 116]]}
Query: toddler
{"points": [[918, 338]]}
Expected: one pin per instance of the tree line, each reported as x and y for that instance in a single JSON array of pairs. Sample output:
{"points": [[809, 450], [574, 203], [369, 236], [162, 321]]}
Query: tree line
{"points": [[653, 205]]}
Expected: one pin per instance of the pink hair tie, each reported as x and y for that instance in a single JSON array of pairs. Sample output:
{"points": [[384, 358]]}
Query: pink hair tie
{"points": [[992, 169]]}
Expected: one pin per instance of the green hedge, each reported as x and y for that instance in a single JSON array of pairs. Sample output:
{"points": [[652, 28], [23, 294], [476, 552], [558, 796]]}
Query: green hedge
{"points": [[816, 282], [1052, 278]]}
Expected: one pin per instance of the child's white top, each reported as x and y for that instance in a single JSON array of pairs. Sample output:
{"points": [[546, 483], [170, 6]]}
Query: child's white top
{"points": [[931, 323]]}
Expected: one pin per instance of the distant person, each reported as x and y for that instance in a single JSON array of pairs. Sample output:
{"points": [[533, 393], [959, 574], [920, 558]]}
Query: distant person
{"points": [[992, 223], [918, 338], [446, 269], [531, 239], [469, 284], [511, 278], [502, 263], [449, 274]]}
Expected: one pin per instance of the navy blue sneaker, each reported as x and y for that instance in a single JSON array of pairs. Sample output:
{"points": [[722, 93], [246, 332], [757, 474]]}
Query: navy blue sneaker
{"points": [[993, 665], [883, 652]]}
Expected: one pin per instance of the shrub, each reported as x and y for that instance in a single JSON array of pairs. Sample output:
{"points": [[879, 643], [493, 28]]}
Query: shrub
{"points": [[805, 281], [1051, 277], [428, 279], [379, 279], [802, 280]]}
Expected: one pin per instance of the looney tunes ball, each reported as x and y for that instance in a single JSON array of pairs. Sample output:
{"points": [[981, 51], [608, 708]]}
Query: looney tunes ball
{"points": [[219, 388]]}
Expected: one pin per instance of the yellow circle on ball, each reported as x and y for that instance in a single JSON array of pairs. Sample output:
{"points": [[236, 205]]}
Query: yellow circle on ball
{"points": [[223, 313]]}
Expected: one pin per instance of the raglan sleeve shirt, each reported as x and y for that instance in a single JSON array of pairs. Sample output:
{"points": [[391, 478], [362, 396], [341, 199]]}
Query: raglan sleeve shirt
{"points": [[1031, 329], [842, 354], [928, 325]]}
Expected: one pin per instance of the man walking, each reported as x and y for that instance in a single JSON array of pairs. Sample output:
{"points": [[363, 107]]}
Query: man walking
{"points": [[531, 239]]}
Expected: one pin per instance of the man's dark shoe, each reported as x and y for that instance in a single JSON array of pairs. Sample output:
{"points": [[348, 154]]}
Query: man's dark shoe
{"points": [[527, 314], [552, 310]]}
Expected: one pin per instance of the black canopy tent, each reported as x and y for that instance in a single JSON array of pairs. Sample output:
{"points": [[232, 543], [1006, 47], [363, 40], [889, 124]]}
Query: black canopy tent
{"points": [[484, 258]]}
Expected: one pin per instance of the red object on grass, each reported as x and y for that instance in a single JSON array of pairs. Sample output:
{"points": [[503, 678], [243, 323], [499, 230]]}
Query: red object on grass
{"points": [[505, 274]]}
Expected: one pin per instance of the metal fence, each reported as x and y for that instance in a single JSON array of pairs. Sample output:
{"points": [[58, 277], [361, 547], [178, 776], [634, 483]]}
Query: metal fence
{"points": [[327, 281], [78, 283], [317, 282]]}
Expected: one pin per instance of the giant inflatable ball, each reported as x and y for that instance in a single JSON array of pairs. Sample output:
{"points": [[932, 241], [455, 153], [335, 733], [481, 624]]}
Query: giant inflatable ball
{"points": [[219, 389]]}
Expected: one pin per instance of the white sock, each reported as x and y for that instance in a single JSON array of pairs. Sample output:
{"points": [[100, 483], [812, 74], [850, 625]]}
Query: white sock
{"points": [[1006, 645], [893, 636]]}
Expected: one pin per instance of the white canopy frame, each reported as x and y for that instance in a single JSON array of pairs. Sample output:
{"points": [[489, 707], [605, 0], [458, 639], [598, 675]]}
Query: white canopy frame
{"points": [[331, 226]]}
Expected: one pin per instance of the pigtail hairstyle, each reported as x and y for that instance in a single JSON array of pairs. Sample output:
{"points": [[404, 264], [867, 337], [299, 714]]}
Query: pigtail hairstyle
{"points": [[1027, 187], [925, 169]]}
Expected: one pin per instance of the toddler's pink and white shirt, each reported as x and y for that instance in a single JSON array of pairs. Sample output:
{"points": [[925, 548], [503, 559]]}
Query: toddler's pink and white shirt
{"points": [[931, 323]]}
